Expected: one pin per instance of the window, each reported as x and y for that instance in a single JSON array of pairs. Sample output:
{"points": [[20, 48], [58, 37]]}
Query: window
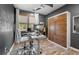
{"points": [[23, 26], [76, 24]]}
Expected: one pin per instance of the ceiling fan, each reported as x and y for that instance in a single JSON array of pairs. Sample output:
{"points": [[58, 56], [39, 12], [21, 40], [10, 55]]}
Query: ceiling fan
{"points": [[42, 6]]}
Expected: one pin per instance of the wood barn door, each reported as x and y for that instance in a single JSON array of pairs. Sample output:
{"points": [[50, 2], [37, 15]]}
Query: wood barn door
{"points": [[57, 29]]}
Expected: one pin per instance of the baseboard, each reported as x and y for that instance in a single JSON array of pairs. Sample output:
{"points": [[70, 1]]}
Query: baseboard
{"points": [[10, 49], [75, 49], [57, 44]]}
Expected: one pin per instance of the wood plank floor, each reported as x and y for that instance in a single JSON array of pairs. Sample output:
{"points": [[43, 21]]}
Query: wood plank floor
{"points": [[48, 48]]}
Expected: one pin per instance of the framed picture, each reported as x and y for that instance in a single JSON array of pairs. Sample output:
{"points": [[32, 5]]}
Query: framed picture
{"points": [[76, 24]]}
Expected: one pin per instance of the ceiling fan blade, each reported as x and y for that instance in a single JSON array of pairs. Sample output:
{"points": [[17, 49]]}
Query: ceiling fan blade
{"points": [[51, 5], [36, 9]]}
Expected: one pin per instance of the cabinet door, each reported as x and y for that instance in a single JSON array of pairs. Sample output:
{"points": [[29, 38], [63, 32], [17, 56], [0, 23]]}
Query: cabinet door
{"points": [[61, 30], [51, 29]]}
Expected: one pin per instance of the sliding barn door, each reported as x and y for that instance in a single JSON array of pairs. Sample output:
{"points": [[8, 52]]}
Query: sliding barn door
{"points": [[57, 29]]}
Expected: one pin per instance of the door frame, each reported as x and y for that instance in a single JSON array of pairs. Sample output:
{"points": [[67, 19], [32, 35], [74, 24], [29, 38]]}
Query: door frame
{"points": [[68, 27]]}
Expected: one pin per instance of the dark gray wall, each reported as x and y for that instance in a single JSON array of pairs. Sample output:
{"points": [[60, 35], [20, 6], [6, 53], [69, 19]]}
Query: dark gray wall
{"points": [[74, 10], [41, 18], [6, 27]]}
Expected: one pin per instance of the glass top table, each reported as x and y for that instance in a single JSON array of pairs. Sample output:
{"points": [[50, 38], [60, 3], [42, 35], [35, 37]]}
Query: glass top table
{"points": [[33, 48]]}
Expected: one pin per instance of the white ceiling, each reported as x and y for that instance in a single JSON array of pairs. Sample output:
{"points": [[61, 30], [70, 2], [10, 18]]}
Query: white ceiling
{"points": [[44, 11]]}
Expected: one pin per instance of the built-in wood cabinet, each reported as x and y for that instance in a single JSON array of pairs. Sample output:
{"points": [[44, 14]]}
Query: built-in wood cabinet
{"points": [[57, 29]]}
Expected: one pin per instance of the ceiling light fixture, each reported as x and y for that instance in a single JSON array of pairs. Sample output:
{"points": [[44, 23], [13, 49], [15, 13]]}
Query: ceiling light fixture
{"points": [[41, 6]]}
